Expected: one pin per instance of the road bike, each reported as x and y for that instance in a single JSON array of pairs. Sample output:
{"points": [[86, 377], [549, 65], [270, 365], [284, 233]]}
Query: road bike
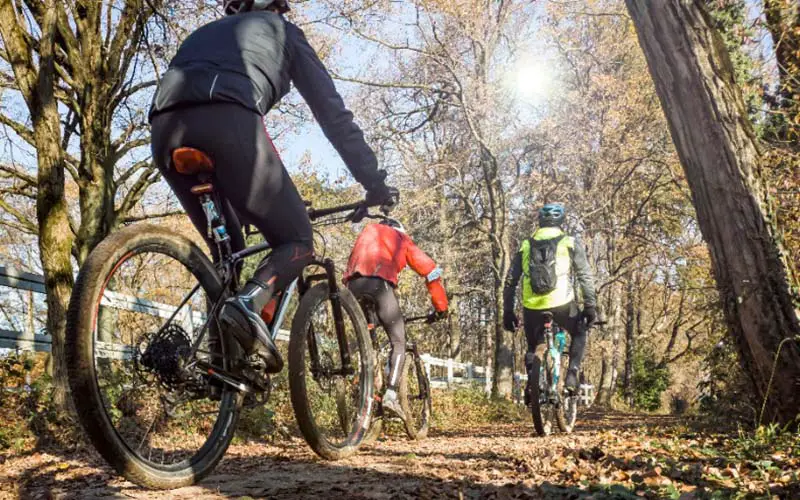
{"points": [[159, 387], [551, 404]]}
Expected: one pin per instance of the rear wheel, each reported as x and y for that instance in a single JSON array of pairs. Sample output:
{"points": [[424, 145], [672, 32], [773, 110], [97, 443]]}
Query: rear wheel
{"points": [[415, 397], [332, 403], [376, 425], [542, 410], [138, 306]]}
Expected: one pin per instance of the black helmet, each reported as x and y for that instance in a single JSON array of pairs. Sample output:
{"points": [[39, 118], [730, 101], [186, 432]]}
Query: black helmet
{"points": [[551, 215], [393, 223], [232, 7]]}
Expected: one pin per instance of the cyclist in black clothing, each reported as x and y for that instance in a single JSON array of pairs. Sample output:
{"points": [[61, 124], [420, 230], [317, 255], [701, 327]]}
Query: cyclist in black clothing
{"points": [[225, 76]]}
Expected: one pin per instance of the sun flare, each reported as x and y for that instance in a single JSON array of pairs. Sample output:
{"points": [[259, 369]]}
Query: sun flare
{"points": [[534, 82]]}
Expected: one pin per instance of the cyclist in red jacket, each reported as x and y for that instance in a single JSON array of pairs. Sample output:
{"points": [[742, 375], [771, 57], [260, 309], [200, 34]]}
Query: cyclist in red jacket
{"points": [[380, 253]]}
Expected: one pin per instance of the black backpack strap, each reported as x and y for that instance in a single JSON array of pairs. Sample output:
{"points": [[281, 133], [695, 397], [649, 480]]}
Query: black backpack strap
{"points": [[526, 265]]}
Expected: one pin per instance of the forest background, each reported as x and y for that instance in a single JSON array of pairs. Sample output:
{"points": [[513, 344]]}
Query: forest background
{"points": [[481, 111]]}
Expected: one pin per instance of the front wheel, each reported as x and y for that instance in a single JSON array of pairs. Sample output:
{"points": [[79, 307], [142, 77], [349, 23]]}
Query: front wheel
{"points": [[138, 306], [415, 397], [332, 401]]}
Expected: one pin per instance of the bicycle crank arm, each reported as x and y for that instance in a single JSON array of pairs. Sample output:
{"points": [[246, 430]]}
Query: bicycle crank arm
{"points": [[224, 377]]}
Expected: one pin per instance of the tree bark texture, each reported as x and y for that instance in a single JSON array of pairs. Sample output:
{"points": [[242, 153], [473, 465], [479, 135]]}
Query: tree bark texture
{"points": [[695, 82]]}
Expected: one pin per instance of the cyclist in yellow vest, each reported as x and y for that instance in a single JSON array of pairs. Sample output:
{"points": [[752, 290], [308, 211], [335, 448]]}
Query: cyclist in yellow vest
{"points": [[548, 261]]}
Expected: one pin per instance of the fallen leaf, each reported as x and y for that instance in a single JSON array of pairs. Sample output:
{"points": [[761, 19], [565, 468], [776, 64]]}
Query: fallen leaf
{"points": [[731, 472], [654, 472]]}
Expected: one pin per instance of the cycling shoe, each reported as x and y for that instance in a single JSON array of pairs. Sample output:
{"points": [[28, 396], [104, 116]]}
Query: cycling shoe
{"points": [[250, 331], [390, 402], [572, 380]]}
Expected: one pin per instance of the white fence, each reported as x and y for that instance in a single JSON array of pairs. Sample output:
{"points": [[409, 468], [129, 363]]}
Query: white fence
{"points": [[448, 373], [443, 373]]}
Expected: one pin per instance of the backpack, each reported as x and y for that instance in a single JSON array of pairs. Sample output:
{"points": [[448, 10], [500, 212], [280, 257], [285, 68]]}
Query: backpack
{"points": [[542, 264]]}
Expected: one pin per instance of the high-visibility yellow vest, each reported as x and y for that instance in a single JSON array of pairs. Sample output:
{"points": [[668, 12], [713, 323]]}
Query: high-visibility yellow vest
{"points": [[564, 292]]}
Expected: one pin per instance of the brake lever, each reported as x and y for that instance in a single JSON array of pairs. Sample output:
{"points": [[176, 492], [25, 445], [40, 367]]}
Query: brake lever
{"points": [[358, 214]]}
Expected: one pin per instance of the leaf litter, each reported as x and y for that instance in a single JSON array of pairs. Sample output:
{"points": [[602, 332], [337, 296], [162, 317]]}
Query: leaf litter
{"points": [[610, 455]]}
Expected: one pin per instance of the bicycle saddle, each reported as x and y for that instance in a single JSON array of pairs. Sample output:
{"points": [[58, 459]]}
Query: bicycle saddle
{"points": [[191, 161]]}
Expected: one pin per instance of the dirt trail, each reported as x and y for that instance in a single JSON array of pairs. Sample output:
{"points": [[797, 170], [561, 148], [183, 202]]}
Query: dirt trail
{"points": [[609, 456]]}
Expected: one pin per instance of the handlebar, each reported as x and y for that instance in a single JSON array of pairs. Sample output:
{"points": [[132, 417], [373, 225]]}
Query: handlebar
{"points": [[416, 318], [359, 209], [428, 318], [316, 213]]}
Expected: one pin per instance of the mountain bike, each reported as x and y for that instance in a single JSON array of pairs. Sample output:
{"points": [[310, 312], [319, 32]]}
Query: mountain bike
{"points": [[414, 388], [159, 387], [549, 401]]}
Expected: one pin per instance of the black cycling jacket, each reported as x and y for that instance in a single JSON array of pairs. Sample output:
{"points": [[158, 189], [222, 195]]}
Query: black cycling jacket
{"points": [[250, 59]]}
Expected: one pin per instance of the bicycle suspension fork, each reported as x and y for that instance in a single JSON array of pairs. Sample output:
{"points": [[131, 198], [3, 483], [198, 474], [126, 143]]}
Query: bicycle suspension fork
{"points": [[338, 317]]}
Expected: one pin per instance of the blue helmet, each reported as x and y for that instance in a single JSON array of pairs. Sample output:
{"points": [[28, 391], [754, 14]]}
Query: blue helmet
{"points": [[551, 215]]}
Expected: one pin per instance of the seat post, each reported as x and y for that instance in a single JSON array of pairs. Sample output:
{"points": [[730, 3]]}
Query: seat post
{"points": [[214, 217]]}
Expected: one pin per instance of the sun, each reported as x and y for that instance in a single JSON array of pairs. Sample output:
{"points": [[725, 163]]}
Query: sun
{"points": [[534, 81]]}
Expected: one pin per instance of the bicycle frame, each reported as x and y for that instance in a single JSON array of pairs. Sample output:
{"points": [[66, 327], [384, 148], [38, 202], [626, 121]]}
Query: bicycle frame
{"points": [[554, 350], [229, 262]]}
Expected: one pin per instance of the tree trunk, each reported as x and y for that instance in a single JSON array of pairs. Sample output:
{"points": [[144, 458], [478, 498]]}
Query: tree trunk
{"points": [[454, 350], [608, 378], [710, 128], [450, 266], [503, 355], [630, 339], [37, 86], [489, 352]]}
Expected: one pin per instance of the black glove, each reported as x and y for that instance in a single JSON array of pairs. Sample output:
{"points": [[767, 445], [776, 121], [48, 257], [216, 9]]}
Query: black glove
{"points": [[378, 193], [436, 316], [510, 321], [382, 195], [589, 315]]}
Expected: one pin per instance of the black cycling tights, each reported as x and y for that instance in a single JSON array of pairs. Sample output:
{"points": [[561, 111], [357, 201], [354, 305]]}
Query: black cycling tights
{"points": [[568, 318], [249, 175], [381, 293]]}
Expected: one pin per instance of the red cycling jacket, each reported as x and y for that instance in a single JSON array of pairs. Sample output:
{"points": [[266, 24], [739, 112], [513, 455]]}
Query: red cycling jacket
{"points": [[382, 251]]}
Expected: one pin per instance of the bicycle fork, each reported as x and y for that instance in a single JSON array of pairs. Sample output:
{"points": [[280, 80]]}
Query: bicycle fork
{"points": [[338, 320]]}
